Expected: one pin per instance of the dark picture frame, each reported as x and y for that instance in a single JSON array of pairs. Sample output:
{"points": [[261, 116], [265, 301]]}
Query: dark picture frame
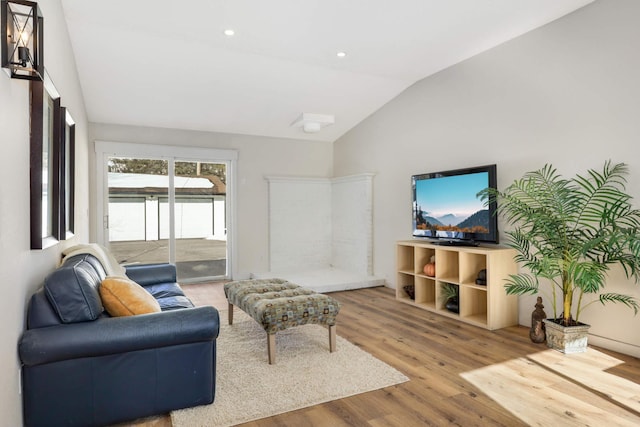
{"points": [[45, 177], [67, 173]]}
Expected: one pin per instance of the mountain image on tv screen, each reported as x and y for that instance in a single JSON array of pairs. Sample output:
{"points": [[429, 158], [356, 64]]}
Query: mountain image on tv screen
{"points": [[448, 207]]}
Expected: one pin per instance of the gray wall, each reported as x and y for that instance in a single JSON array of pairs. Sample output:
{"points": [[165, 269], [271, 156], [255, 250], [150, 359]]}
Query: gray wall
{"points": [[258, 157], [566, 94], [22, 269]]}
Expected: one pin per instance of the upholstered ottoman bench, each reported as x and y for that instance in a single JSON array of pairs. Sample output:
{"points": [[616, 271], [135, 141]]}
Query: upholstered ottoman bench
{"points": [[277, 304]]}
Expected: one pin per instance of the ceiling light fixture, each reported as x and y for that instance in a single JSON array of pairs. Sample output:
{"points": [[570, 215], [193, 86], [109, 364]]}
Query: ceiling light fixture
{"points": [[341, 54], [313, 123], [22, 32], [229, 32]]}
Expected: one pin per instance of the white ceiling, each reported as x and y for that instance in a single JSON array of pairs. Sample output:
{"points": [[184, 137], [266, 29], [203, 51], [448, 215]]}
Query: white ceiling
{"points": [[168, 64]]}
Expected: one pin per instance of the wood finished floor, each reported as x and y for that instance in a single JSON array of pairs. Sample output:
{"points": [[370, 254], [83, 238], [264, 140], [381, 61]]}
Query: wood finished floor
{"points": [[431, 350]]}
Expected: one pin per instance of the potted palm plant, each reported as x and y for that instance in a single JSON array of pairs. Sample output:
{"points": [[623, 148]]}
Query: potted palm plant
{"points": [[568, 233]]}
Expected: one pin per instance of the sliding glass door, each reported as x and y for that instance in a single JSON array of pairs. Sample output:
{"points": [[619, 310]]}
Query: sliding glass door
{"points": [[168, 210], [135, 186], [200, 227]]}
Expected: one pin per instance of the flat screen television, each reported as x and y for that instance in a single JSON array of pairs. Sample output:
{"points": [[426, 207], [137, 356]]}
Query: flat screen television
{"points": [[446, 206]]}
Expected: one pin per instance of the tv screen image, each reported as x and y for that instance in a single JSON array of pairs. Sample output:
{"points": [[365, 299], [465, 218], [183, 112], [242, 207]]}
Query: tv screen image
{"points": [[446, 206]]}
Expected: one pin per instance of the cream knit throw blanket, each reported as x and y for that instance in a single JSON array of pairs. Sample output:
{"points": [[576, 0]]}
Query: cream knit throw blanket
{"points": [[108, 261]]}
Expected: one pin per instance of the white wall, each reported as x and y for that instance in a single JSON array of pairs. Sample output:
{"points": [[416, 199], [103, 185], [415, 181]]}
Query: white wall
{"points": [[566, 94], [22, 269], [299, 224], [352, 223], [318, 223], [258, 157]]}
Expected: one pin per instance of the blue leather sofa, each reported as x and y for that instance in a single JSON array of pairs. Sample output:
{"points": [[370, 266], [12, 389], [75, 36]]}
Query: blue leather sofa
{"points": [[84, 368]]}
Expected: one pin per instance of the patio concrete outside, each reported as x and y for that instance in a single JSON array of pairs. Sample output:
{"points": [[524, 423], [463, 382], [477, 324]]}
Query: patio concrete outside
{"points": [[196, 258]]}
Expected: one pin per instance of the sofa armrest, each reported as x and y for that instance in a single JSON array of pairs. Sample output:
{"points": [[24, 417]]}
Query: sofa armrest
{"points": [[151, 274], [118, 335]]}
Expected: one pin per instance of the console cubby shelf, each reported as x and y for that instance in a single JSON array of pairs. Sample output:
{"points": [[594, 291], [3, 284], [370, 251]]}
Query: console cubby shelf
{"points": [[486, 306]]}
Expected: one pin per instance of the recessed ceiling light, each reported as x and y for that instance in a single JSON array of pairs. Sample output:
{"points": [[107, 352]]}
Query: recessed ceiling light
{"points": [[341, 54], [229, 32]]}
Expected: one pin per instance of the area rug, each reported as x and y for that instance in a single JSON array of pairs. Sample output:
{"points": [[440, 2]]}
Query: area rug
{"points": [[305, 373]]}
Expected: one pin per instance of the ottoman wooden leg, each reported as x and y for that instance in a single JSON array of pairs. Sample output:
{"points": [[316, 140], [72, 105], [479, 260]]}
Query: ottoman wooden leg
{"points": [[230, 314], [332, 338], [271, 348]]}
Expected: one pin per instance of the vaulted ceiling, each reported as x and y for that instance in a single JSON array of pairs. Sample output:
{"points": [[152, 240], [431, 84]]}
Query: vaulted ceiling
{"points": [[169, 63]]}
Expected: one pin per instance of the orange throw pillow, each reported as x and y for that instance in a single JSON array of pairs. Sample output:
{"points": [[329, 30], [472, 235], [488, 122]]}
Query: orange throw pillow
{"points": [[124, 297]]}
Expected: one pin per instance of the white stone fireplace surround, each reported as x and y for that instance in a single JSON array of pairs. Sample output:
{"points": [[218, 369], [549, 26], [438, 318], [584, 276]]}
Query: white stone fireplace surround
{"points": [[320, 232]]}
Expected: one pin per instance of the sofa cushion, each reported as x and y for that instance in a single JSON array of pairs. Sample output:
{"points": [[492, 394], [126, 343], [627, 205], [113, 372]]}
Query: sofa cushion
{"points": [[41, 312], [124, 297], [95, 263], [174, 303], [72, 290], [163, 290]]}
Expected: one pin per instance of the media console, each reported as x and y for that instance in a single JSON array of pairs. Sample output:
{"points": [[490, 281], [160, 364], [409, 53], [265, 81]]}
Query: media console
{"points": [[487, 306]]}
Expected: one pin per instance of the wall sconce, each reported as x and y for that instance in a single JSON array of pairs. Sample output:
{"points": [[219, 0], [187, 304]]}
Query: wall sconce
{"points": [[22, 39]]}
